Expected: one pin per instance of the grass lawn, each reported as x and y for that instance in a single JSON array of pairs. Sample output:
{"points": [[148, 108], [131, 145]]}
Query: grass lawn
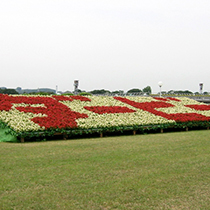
{"points": [[154, 171]]}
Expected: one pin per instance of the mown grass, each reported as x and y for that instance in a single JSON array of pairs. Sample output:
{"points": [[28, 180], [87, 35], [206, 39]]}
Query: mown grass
{"points": [[155, 171]]}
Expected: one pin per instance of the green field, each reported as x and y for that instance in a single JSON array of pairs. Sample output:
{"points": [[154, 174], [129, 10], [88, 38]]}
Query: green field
{"points": [[154, 171]]}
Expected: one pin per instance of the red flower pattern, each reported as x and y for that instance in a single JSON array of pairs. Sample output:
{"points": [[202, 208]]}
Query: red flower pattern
{"points": [[166, 99], [62, 98], [109, 109], [81, 98], [153, 105], [199, 107]]}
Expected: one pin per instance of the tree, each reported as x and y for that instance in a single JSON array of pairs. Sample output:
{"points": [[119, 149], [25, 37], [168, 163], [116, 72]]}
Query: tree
{"points": [[183, 92], [100, 91], [120, 92], [147, 90], [41, 93], [134, 91], [179, 92], [8, 91], [19, 90], [171, 92]]}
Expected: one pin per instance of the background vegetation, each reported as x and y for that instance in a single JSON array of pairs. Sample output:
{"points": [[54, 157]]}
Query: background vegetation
{"points": [[146, 90]]}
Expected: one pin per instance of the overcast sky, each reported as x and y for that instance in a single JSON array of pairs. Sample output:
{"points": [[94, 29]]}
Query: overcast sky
{"points": [[105, 44]]}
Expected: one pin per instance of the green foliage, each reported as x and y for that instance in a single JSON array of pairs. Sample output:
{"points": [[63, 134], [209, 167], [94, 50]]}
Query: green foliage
{"points": [[102, 91], [47, 134], [120, 92], [41, 93], [134, 90], [67, 94], [7, 134], [8, 91], [179, 92], [147, 90], [84, 94]]}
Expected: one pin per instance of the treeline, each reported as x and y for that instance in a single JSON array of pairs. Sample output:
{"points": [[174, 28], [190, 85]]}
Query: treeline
{"points": [[134, 91], [147, 90], [186, 92], [8, 91], [15, 92]]}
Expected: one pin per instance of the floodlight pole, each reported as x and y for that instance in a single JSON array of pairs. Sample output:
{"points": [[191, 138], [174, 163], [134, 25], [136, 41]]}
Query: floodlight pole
{"points": [[160, 85]]}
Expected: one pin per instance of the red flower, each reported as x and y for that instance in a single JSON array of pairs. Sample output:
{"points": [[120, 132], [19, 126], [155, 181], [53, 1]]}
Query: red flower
{"points": [[70, 98], [199, 107], [166, 99], [62, 98], [173, 99], [161, 99], [81, 98], [109, 109]]}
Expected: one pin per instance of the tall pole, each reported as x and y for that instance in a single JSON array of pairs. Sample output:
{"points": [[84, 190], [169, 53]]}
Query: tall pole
{"points": [[56, 90], [160, 91], [160, 85]]}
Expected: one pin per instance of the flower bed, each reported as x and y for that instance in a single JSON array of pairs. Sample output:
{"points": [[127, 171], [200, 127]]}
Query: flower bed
{"points": [[45, 115]]}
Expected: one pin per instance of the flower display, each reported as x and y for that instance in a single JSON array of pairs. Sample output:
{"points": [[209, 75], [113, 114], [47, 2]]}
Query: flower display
{"points": [[41, 113]]}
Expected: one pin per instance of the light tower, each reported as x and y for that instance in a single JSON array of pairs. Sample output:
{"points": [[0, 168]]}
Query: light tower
{"points": [[201, 87], [76, 84]]}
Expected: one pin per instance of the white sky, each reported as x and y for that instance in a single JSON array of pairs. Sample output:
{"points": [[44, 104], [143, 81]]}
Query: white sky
{"points": [[105, 44]]}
